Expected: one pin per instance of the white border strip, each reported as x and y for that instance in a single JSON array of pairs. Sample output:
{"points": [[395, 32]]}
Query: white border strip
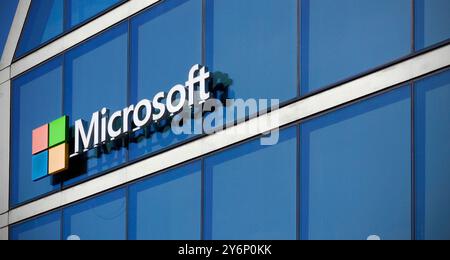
{"points": [[73, 38], [4, 75], [342, 94], [14, 33], [3, 220], [4, 233], [5, 97]]}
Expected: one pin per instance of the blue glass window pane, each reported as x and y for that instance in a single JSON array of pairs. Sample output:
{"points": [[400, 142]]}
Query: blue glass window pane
{"points": [[36, 100], [92, 73], [167, 206], [432, 128], [43, 23], [166, 43], [356, 170], [250, 191], [340, 39], [100, 218], [432, 22], [7, 12], [47, 227], [255, 43], [79, 11]]}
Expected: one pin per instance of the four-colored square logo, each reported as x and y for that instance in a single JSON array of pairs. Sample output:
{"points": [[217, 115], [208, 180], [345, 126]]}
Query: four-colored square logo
{"points": [[50, 148]]}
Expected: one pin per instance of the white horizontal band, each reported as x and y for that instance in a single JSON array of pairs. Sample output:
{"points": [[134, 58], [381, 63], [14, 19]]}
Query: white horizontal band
{"points": [[358, 88]]}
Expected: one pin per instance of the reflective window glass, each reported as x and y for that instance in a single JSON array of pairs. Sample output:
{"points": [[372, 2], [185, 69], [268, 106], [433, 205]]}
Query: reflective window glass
{"points": [[432, 22], [47, 227], [340, 39], [255, 43], [432, 126], [7, 12], [355, 166], [99, 218], [36, 101], [92, 74], [167, 206], [250, 191], [44, 22], [166, 42], [79, 11]]}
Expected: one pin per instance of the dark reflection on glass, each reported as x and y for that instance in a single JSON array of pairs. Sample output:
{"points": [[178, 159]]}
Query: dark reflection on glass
{"points": [[79, 165], [220, 86], [160, 134]]}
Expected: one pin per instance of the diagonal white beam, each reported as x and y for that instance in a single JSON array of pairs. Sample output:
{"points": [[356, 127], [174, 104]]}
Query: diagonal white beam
{"points": [[14, 33], [81, 34]]}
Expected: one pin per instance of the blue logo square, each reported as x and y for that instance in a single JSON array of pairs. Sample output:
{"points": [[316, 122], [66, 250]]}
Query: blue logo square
{"points": [[40, 166]]}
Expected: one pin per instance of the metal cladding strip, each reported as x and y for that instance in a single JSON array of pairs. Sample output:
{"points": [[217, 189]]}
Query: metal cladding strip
{"points": [[4, 233], [3, 220], [353, 90], [4, 74], [14, 33], [78, 35], [5, 107]]}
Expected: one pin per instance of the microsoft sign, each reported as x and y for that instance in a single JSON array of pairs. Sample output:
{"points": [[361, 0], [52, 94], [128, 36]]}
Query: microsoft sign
{"points": [[50, 147]]}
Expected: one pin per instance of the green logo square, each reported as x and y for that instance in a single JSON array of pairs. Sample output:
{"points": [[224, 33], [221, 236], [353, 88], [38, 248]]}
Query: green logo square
{"points": [[58, 131]]}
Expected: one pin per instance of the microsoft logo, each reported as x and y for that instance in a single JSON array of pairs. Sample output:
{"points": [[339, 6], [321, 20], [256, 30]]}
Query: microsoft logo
{"points": [[50, 144], [50, 148]]}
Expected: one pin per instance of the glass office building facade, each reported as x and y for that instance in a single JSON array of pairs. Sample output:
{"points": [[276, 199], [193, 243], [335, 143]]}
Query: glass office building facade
{"points": [[363, 149]]}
